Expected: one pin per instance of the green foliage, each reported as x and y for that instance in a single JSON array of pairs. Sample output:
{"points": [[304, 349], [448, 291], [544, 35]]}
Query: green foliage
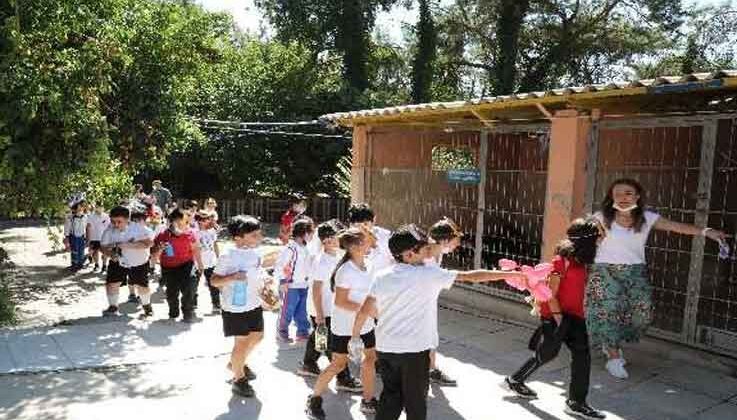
{"points": [[424, 59], [7, 306], [447, 158]]}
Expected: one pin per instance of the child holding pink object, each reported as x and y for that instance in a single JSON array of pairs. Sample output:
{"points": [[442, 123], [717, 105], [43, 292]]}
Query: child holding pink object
{"points": [[562, 317]]}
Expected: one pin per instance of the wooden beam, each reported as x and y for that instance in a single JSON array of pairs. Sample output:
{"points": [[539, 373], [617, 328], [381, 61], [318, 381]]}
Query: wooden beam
{"points": [[481, 200]]}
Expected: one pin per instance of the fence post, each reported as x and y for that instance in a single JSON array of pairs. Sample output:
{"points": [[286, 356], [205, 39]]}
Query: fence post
{"points": [[481, 199], [701, 219]]}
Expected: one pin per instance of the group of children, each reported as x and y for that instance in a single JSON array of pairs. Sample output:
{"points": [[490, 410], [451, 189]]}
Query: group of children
{"points": [[373, 291]]}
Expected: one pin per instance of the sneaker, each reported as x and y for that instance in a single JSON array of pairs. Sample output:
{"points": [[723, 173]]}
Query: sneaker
{"points": [[302, 338], [285, 339], [96, 267], [133, 299], [250, 375], [438, 377], [111, 310], [352, 385], [621, 354], [369, 406], [216, 310], [148, 311], [519, 388], [189, 319], [314, 409], [242, 388], [308, 369], [582, 410], [104, 268], [616, 368]]}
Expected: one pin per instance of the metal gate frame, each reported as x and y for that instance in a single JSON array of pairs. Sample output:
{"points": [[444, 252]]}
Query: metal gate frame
{"points": [[709, 123]]}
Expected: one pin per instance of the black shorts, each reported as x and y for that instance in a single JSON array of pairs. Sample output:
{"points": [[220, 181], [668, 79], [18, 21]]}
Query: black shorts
{"points": [[95, 246], [339, 343], [243, 323], [138, 276], [116, 274]]}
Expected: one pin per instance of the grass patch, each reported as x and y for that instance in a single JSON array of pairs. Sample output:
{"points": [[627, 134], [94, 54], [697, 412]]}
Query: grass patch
{"points": [[7, 306]]}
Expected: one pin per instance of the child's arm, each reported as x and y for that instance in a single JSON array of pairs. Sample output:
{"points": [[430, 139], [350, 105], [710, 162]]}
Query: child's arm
{"points": [[317, 286], [87, 230], [342, 301], [216, 248], [197, 255], [139, 244], [219, 281], [553, 304], [481, 276], [368, 309]]}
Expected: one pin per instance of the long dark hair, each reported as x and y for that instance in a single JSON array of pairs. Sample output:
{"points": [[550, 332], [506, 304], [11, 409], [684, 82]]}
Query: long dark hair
{"points": [[609, 212], [581, 243], [347, 239]]}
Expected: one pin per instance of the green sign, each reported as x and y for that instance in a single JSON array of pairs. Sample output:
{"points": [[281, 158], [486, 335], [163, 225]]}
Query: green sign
{"points": [[464, 176]]}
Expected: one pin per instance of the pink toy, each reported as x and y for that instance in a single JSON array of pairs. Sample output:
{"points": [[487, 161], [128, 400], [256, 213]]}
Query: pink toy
{"points": [[537, 277]]}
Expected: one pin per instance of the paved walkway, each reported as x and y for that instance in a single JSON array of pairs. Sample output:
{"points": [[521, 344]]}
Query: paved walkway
{"points": [[87, 367]]}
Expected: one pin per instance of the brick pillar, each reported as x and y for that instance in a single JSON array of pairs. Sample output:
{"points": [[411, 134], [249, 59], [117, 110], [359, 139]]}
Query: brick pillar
{"points": [[360, 164], [566, 185]]}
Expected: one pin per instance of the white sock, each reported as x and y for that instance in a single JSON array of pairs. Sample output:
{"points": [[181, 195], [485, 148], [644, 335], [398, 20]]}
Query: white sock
{"points": [[112, 299], [145, 298]]}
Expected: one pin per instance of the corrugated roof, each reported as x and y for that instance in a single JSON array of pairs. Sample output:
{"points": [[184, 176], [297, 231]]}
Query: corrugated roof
{"points": [[661, 85]]}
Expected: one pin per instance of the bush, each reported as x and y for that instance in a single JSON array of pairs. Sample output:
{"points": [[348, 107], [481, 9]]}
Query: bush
{"points": [[7, 307]]}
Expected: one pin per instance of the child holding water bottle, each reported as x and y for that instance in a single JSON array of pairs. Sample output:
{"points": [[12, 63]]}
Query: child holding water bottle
{"points": [[239, 277]]}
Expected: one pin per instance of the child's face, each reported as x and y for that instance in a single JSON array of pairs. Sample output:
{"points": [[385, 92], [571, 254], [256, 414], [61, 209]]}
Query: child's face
{"points": [[331, 243], [450, 245], [418, 255], [205, 223], [361, 249], [182, 223], [249, 240], [118, 222]]}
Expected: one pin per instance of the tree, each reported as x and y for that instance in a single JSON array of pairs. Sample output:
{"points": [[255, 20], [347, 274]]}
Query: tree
{"points": [[424, 59]]}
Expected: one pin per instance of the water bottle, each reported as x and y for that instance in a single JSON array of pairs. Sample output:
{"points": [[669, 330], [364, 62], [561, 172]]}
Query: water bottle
{"points": [[724, 250], [321, 339], [355, 350], [239, 294], [169, 250]]}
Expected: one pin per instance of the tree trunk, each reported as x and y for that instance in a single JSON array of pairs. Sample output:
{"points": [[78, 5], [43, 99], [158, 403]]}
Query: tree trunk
{"points": [[511, 13], [423, 62]]}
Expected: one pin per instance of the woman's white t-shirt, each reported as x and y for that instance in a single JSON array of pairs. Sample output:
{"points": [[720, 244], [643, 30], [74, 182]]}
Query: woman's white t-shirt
{"points": [[623, 245], [358, 281], [322, 270]]}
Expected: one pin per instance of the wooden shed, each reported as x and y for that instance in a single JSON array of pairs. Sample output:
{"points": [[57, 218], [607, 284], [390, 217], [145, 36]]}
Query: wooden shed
{"points": [[514, 170]]}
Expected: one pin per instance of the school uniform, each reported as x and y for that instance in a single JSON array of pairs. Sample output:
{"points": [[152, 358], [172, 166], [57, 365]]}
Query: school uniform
{"points": [[98, 222], [127, 265], [358, 282], [406, 302], [549, 337], [75, 229], [178, 270], [240, 299], [292, 268], [380, 258], [209, 260]]}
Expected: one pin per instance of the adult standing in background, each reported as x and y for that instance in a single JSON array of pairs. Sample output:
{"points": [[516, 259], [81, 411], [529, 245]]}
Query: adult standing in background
{"points": [[162, 194], [619, 295]]}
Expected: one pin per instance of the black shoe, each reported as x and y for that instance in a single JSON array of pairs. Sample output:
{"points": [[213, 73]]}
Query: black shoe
{"points": [[242, 388], [314, 409], [369, 406], [189, 319], [582, 410], [148, 311], [96, 267], [133, 299], [308, 369], [438, 377], [349, 385], [250, 375], [104, 268], [111, 310], [520, 389]]}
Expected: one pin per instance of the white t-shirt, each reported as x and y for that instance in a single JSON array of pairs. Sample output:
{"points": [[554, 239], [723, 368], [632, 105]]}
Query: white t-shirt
{"points": [[131, 257], [624, 245], [241, 296], [358, 281], [294, 263], [207, 247], [322, 269], [75, 225], [406, 302], [380, 257], [98, 223]]}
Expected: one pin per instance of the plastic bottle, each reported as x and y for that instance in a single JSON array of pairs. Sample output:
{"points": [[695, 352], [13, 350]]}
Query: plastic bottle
{"points": [[239, 293], [321, 338], [169, 250]]}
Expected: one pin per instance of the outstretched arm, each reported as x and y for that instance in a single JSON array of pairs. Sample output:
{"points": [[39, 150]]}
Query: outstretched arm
{"points": [[481, 276], [685, 229]]}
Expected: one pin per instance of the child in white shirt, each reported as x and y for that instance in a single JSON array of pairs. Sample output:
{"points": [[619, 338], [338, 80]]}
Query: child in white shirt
{"points": [[75, 234], [292, 268], [208, 237], [97, 222]]}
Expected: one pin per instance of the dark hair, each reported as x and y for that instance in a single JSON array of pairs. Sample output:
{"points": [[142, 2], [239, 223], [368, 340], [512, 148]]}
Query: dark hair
{"points": [[119, 211], [360, 212], [607, 205], [406, 238], [581, 243], [329, 229], [346, 238], [302, 227], [175, 215], [444, 230], [190, 204], [138, 188], [241, 225]]}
